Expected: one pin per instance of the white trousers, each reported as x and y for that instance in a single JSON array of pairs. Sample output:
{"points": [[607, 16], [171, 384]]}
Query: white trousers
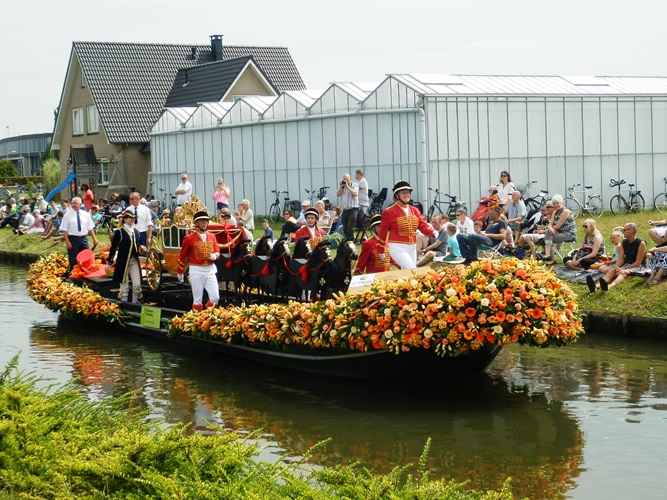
{"points": [[203, 277], [133, 275], [404, 255]]}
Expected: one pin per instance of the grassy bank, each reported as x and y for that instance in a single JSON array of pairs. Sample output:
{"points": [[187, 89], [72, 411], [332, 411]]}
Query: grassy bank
{"points": [[58, 445], [631, 297]]}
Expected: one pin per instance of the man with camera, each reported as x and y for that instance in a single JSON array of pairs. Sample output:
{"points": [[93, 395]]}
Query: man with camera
{"points": [[347, 192]]}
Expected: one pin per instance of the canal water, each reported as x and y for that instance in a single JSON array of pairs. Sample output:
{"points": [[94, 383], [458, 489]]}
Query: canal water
{"points": [[587, 421]]}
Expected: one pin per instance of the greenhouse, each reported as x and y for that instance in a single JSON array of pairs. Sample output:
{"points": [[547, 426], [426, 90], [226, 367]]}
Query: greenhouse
{"points": [[451, 132]]}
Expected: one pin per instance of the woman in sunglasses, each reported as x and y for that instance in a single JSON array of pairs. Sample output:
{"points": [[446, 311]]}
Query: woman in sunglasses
{"points": [[591, 250], [505, 188]]}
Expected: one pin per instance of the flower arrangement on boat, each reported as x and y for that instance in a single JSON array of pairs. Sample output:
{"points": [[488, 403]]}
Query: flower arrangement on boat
{"points": [[47, 286], [459, 308]]}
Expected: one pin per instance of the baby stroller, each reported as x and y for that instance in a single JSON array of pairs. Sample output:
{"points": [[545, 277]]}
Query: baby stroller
{"points": [[377, 200], [485, 202]]}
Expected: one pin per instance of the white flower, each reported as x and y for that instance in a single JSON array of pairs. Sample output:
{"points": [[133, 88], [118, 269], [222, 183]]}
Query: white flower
{"points": [[387, 311], [354, 329], [333, 333], [484, 302], [428, 333], [451, 292], [414, 283], [388, 334], [543, 291], [497, 329]]}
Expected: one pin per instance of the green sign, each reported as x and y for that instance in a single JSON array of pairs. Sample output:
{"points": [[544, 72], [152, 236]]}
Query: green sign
{"points": [[150, 317]]}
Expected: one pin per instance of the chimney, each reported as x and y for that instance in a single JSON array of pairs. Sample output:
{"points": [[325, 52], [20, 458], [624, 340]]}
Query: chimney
{"points": [[216, 47]]}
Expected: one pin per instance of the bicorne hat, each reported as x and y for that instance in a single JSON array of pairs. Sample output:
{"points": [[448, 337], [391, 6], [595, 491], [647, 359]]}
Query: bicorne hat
{"points": [[128, 213], [312, 211], [375, 220], [201, 215], [400, 185]]}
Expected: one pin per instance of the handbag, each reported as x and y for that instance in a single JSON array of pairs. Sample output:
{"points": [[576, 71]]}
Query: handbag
{"points": [[582, 252]]}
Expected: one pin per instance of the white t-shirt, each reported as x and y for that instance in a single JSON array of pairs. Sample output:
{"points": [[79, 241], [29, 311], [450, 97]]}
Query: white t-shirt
{"points": [[183, 198], [505, 192], [468, 226]]}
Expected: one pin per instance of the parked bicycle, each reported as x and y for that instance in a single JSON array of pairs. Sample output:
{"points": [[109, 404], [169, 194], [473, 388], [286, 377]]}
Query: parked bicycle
{"points": [[377, 202], [320, 194], [660, 201], [619, 205], [533, 203], [592, 204], [451, 205], [276, 212]]}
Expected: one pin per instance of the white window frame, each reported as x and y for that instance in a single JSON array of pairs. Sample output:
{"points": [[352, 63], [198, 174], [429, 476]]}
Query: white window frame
{"points": [[77, 121], [103, 178], [93, 119]]}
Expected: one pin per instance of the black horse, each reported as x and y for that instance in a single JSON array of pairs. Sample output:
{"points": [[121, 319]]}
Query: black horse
{"points": [[268, 274], [233, 268], [306, 280], [263, 246], [338, 272], [302, 248]]}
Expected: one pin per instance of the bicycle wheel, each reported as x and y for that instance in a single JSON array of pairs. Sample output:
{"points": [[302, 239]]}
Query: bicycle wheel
{"points": [[594, 206], [274, 212], [637, 203], [618, 205], [660, 202], [573, 206]]}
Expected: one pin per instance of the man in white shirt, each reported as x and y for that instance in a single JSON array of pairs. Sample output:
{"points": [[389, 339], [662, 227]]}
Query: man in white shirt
{"points": [[144, 221], [76, 225], [301, 220], [362, 196], [464, 224], [348, 194], [183, 191]]}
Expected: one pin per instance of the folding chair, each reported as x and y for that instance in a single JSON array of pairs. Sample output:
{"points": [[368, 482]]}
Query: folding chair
{"points": [[487, 252], [558, 248]]}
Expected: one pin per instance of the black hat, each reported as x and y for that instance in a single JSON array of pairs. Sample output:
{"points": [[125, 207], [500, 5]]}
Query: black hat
{"points": [[201, 215], [128, 213], [312, 211], [375, 220], [400, 185]]}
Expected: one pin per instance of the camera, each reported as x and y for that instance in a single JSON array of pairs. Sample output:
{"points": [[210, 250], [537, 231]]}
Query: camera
{"points": [[342, 183]]}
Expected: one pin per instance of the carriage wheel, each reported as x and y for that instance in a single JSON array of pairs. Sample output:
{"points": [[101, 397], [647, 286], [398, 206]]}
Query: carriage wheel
{"points": [[153, 269]]}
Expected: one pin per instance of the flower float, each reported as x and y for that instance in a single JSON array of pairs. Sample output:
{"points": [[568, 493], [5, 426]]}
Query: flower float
{"points": [[47, 286], [491, 302]]}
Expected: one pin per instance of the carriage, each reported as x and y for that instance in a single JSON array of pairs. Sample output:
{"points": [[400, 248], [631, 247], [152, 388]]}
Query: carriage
{"points": [[265, 271]]}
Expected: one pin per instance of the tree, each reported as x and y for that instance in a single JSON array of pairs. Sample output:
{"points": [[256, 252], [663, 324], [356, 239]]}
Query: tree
{"points": [[8, 169], [50, 174]]}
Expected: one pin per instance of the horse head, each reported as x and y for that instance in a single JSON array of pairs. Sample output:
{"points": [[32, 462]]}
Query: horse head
{"points": [[302, 248], [339, 272], [264, 246]]}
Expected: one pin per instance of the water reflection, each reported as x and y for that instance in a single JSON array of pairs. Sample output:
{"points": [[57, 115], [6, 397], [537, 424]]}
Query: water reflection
{"points": [[480, 429]]}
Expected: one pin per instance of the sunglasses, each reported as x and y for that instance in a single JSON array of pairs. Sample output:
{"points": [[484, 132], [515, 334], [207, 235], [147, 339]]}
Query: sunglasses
{"points": [[585, 226]]}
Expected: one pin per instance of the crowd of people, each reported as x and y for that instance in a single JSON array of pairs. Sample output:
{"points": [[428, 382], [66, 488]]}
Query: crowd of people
{"points": [[400, 236]]}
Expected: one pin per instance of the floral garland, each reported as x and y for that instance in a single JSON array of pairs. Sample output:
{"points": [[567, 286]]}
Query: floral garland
{"points": [[46, 286], [457, 308]]}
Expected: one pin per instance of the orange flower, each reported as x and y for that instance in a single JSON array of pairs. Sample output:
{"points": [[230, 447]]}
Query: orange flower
{"points": [[470, 312], [536, 313]]}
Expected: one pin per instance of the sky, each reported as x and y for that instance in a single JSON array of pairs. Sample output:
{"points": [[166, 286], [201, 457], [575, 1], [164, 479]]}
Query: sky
{"points": [[339, 41]]}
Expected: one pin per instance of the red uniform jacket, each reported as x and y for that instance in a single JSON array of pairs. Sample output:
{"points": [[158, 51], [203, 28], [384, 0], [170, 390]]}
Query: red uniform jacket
{"points": [[369, 259], [401, 228], [196, 251], [314, 241]]}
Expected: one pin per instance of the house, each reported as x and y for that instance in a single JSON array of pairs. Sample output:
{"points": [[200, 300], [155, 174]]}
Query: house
{"points": [[114, 92]]}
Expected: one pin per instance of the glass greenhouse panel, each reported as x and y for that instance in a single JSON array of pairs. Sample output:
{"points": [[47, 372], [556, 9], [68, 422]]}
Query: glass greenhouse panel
{"points": [[329, 143], [609, 128], [591, 127], [643, 122], [498, 133], [280, 146], [659, 112], [573, 128], [517, 128], [555, 128], [626, 127], [536, 124], [268, 140]]}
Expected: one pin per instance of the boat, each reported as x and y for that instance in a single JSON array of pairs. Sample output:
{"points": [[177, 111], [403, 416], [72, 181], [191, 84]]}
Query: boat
{"points": [[398, 325]]}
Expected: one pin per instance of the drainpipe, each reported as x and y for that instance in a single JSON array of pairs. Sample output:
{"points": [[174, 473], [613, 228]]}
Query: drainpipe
{"points": [[424, 149]]}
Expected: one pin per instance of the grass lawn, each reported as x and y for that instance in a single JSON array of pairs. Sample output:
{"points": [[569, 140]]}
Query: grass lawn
{"points": [[633, 296]]}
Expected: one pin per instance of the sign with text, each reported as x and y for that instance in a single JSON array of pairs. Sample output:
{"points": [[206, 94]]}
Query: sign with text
{"points": [[362, 280], [151, 316]]}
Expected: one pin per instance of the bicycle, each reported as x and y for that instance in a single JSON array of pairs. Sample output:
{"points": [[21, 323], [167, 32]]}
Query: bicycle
{"points": [[619, 205], [592, 202], [320, 194], [535, 202], [275, 212], [660, 201], [451, 205]]}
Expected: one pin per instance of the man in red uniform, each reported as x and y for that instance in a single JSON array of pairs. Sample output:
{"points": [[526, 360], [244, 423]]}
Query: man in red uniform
{"points": [[369, 260], [311, 230], [201, 250], [401, 221]]}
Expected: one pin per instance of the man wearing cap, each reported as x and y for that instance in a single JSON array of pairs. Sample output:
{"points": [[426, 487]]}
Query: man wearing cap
{"points": [[125, 241], [311, 230], [144, 221], [200, 249], [402, 220], [42, 204], [76, 225], [369, 258], [301, 219], [184, 190], [348, 193]]}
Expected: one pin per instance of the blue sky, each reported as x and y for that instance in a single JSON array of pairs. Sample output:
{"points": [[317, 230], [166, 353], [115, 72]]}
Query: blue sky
{"points": [[335, 41]]}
